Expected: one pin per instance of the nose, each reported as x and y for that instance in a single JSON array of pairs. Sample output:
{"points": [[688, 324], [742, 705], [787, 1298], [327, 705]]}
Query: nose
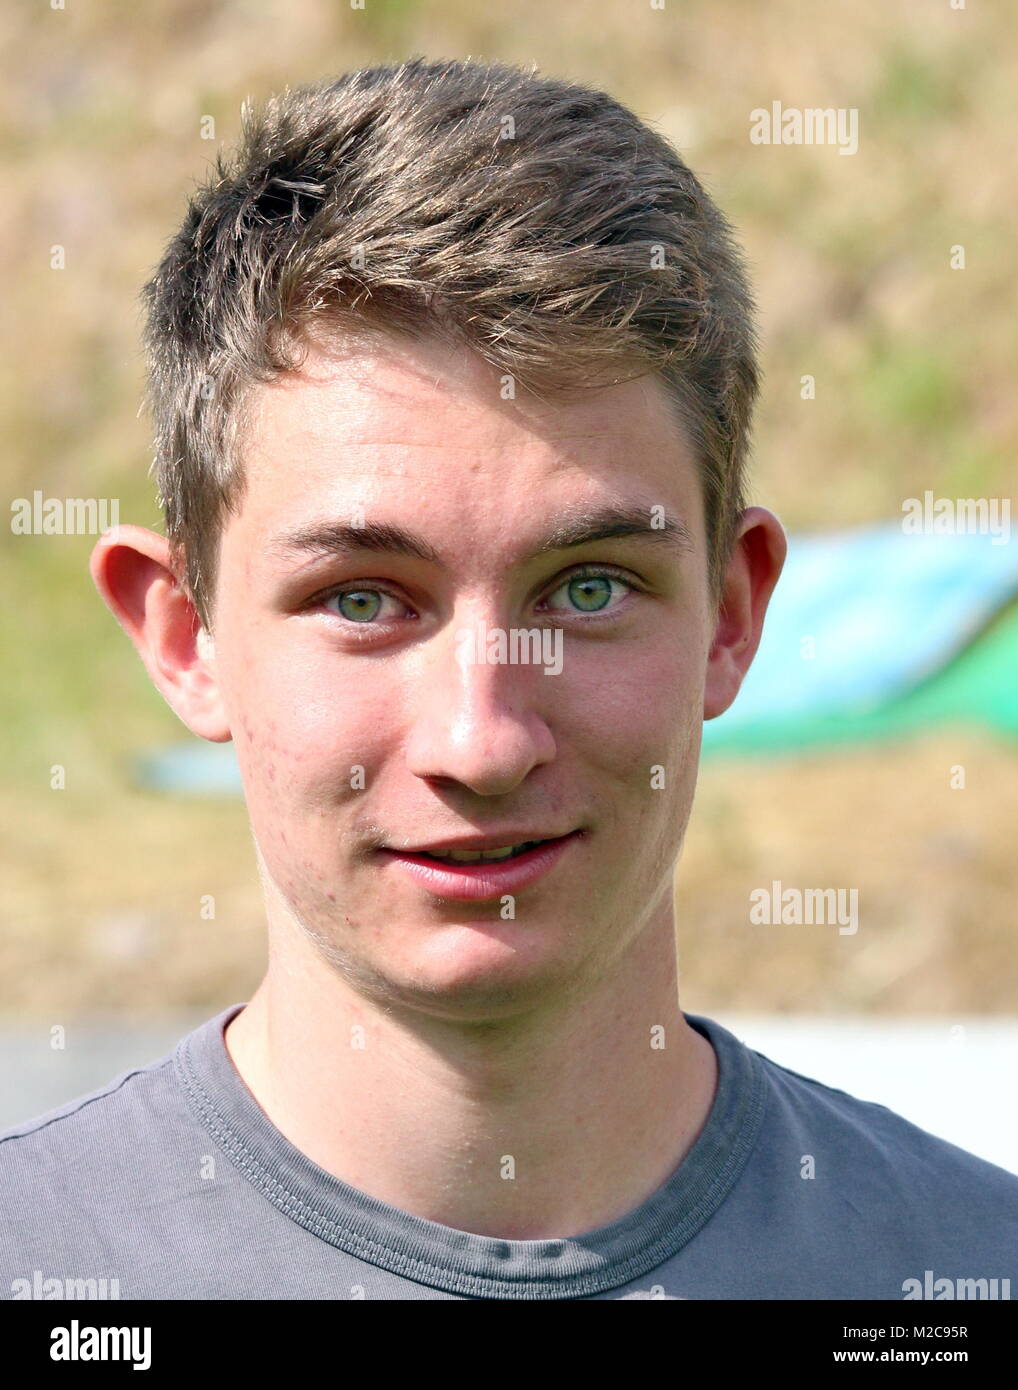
{"points": [[475, 719]]}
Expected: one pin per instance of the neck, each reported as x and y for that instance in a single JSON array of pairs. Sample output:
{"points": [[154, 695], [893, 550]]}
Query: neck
{"points": [[543, 1125]]}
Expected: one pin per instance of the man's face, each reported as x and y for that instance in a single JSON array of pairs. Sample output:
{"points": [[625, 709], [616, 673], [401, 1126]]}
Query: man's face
{"points": [[363, 726]]}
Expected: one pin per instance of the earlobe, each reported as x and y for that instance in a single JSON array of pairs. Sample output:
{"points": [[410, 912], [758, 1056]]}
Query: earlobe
{"points": [[754, 567], [133, 572]]}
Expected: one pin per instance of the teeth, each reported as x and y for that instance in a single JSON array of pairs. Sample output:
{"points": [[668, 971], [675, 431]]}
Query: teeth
{"points": [[474, 856]]}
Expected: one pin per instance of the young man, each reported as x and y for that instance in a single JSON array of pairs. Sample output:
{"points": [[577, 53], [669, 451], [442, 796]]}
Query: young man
{"points": [[452, 374]]}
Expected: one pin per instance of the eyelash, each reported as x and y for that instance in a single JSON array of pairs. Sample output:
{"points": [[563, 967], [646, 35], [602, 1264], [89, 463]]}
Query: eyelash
{"points": [[582, 572], [597, 572]]}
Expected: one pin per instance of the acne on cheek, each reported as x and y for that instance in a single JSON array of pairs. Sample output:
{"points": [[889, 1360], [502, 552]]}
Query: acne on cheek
{"points": [[278, 796], [310, 890], [261, 752]]}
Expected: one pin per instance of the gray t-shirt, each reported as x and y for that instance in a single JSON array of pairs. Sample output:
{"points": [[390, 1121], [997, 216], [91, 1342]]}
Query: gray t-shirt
{"points": [[172, 1182]]}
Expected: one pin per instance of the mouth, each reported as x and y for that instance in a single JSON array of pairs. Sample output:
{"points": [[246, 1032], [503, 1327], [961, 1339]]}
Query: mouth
{"points": [[482, 873], [484, 856]]}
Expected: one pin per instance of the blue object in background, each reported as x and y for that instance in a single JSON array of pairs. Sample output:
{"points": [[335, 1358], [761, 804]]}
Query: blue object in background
{"points": [[190, 769], [882, 610]]}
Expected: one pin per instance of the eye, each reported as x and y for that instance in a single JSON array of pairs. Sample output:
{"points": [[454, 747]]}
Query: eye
{"points": [[590, 589], [360, 606]]}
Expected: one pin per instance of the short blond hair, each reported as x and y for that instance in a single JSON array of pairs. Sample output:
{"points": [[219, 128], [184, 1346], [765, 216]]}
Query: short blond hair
{"points": [[537, 221]]}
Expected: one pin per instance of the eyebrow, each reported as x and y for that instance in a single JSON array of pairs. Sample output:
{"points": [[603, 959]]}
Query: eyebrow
{"points": [[608, 523], [574, 529]]}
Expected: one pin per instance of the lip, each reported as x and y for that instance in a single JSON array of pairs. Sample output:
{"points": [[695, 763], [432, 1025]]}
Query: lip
{"points": [[489, 879], [477, 842]]}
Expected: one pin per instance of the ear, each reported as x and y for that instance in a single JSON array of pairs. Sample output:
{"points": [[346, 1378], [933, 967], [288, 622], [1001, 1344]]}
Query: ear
{"points": [[132, 570], [757, 558]]}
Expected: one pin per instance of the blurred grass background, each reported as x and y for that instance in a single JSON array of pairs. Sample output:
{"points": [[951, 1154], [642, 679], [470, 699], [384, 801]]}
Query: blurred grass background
{"points": [[100, 122]]}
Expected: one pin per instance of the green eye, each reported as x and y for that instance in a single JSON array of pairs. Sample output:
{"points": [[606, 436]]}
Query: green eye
{"points": [[590, 592], [359, 605]]}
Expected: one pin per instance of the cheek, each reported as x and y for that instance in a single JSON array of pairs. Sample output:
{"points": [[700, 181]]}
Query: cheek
{"points": [[302, 727], [635, 707], [636, 721]]}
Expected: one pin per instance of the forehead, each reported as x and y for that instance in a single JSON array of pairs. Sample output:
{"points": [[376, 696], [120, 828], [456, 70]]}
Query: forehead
{"points": [[432, 429]]}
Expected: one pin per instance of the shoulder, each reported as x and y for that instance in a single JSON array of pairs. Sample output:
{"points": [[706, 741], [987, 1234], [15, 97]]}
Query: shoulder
{"points": [[114, 1117], [857, 1157], [885, 1154], [94, 1187]]}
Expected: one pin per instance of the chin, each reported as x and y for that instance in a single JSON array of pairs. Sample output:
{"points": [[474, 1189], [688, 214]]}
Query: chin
{"points": [[480, 970]]}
